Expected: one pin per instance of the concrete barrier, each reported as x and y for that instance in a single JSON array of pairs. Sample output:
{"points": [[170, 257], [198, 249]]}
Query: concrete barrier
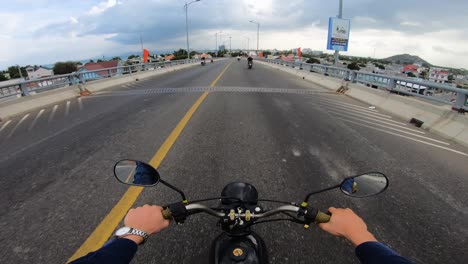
{"points": [[28, 103], [439, 119]]}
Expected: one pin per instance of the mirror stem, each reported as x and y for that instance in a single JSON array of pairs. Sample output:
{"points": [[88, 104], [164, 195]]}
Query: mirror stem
{"points": [[306, 200], [174, 188]]}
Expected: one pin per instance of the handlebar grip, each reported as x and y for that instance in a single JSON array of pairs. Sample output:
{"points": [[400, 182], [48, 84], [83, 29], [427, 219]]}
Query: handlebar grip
{"points": [[322, 217], [167, 214]]}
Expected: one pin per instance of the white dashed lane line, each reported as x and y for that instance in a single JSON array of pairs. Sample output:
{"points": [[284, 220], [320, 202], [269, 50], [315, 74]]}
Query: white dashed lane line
{"points": [[35, 119], [67, 108], [80, 104], [17, 125], [52, 113], [5, 125]]}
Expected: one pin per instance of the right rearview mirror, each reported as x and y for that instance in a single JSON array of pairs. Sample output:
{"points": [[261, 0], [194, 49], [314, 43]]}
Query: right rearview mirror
{"points": [[365, 185]]}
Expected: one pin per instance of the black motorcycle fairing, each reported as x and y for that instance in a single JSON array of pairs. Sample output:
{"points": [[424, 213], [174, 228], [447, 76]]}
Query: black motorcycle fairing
{"points": [[252, 247]]}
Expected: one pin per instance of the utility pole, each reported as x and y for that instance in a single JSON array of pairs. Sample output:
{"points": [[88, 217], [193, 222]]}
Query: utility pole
{"points": [[19, 71], [340, 15], [248, 43], [230, 47], [258, 33], [141, 42], [186, 25]]}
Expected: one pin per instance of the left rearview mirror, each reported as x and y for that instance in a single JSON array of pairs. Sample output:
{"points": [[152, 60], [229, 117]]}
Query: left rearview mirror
{"points": [[364, 185], [133, 172]]}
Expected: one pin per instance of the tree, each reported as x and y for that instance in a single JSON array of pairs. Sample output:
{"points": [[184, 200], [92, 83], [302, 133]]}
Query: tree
{"points": [[65, 67], [116, 58], [14, 73], [410, 74], [180, 54], [423, 75], [266, 53], [131, 57], [99, 60], [2, 77], [91, 61], [313, 60], [353, 66], [450, 79]]}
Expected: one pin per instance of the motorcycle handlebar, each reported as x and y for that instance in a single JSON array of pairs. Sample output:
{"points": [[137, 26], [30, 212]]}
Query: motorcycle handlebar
{"points": [[319, 218]]}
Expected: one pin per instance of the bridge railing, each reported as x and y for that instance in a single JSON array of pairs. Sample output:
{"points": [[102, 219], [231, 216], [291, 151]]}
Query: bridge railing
{"points": [[25, 88], [437, 92]]}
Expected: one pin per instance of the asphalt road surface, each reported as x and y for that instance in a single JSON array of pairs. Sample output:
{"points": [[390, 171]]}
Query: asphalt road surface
{"points": [[284, 135]]}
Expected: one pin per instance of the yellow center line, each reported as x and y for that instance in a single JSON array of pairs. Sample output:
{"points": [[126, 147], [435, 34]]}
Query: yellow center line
{"points": [[104, 230], [132, 172], [220, 75]]}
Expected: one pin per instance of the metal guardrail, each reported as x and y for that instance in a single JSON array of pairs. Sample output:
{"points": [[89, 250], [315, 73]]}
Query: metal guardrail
{"points": [[437, 92], [25, 88]]}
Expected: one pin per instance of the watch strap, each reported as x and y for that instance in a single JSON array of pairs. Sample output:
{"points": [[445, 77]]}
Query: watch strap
{"points": [[138, 232]]}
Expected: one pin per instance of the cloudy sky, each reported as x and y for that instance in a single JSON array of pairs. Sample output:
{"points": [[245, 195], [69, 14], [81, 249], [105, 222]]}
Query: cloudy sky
{"points": [[45, 31]]}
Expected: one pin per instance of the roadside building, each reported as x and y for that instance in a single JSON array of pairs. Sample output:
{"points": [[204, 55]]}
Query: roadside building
{"points": [[100, 70], [169, 57], [438, 75], [414, 69], [37, 72]]}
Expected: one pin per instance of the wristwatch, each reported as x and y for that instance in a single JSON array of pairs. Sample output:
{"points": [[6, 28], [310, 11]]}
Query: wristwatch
{"points": [[125, 231]]}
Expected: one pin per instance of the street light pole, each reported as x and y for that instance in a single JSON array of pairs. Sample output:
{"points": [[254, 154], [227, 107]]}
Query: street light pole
{"points": [[258, 33], [248, 43], [340, 15], [186, 25]]}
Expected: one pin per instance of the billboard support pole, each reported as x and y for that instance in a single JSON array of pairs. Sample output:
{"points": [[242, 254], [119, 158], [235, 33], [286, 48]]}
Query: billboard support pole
{"points": [[340, 15]]}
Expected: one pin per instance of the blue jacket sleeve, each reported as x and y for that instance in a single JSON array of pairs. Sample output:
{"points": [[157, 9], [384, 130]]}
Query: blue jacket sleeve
{"points": [[118, 251], [375, 252]]}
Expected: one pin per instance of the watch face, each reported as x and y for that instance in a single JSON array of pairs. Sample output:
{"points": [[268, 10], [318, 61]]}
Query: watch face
{"points": [[122, 231]]}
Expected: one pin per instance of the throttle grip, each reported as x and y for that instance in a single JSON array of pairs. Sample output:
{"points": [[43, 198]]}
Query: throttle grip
{"points": [[167, 214], [322, 217]]}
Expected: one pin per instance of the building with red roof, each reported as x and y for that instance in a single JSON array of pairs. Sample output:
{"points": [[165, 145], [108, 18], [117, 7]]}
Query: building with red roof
{"points": [[100, 70]]}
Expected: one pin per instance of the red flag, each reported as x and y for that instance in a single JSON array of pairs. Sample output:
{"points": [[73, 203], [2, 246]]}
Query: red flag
{"points": [[299, 53], [145, 55]]}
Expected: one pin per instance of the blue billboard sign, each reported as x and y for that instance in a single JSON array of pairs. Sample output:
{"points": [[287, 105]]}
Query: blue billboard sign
{"points": [[338, 34]]}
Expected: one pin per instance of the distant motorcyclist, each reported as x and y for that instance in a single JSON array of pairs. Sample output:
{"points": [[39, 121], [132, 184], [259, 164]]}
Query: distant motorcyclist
{"points": [[149, 219], [250, 61]]}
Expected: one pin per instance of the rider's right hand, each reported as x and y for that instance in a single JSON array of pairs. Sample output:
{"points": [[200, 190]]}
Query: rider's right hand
{"points": [[148, 218], [345, 223]]}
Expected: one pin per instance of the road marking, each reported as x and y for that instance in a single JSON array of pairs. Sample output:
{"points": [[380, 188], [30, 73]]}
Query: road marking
{"points": [[375, 120], [17, 125], [356, 113], [5, 125], [220, 75], [52, 114], [35, 119], [67, 108], [396, 129], [413, 139], [80, 104], [333, 101], [104, 230], [347, 108]]}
